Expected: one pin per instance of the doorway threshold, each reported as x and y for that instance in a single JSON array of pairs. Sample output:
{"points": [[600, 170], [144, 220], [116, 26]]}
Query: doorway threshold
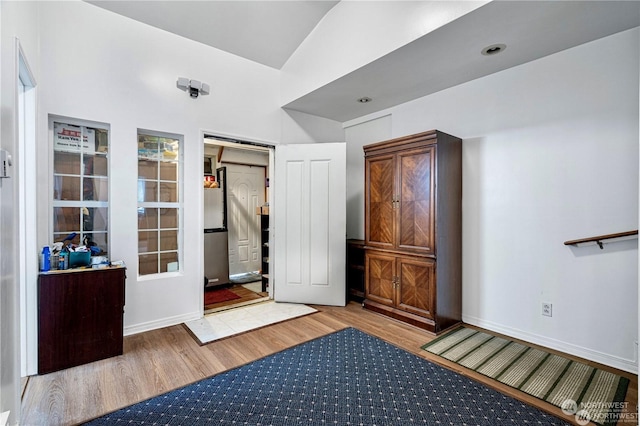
{"points": [[245, 278], [236, 305], [227, 324]]}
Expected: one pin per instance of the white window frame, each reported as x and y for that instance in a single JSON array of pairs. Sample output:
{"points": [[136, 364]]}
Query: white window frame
{"points": [[179, 205], [83, 203]]}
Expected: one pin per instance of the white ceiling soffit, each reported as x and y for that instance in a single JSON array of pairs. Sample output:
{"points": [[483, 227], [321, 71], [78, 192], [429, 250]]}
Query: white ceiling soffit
{"points": [[267, 32], [451, 54]]}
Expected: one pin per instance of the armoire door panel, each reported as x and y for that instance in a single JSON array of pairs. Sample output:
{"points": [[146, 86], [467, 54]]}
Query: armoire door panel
{"points": [[379, 276], [416, 200], [380, 202], [416, 286]]}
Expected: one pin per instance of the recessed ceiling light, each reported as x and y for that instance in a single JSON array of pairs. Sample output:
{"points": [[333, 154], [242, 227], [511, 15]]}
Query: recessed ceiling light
{"points": [[494, 49], [364, 100]]}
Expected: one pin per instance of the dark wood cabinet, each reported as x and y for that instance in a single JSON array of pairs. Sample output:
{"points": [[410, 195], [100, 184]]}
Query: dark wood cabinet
{"points": [[80, 317], [400, 286], [355, 270], [413, 222], [264, 239]]}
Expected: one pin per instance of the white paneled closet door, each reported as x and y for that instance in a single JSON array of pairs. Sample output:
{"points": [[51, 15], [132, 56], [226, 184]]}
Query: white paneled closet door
{"points": [[310, 224]]}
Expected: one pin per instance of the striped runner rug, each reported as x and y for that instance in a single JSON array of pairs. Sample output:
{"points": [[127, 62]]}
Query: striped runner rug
{"points": [[589, 393]]}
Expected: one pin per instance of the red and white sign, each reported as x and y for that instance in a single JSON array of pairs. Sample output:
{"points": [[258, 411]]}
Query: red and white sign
{"points": [[68, 138]]}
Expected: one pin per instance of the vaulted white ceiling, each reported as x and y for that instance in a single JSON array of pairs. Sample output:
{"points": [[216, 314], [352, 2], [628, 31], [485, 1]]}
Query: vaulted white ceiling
{"points": [[264, 31], [269, 32]]}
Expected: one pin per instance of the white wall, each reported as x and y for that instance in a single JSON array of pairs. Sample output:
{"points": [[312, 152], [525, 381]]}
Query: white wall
{"points": [[358, 135], [550, 154], [103, 67], [299, 127], [355, 33], [16, 21], [245, 156]]}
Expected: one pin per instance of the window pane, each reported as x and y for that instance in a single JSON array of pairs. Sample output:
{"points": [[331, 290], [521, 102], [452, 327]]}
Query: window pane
{"points": [[147, 241], [102, 141], [60, 237], [148, 264], [97, 238], [169, 171], [66, 163], [96, 189], [169, 262], [147, 218], [168, 192], [168, 148], [148, 147], [168, 240], [95, 165], [94, 219], [147, 169], [66, 188], [149, 191], [168, 218], [66, 219]]}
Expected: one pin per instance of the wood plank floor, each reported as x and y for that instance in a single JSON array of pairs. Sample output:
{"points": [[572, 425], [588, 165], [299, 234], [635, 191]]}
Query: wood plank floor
{"points": [[161, 360]]}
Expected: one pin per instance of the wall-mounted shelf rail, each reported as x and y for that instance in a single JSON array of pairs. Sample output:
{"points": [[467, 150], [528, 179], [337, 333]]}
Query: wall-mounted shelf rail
{"points": [[600, 240]]}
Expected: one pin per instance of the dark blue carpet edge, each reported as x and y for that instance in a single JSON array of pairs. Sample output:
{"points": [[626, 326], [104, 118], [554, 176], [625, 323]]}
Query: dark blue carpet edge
{"points": [[400, 389]]}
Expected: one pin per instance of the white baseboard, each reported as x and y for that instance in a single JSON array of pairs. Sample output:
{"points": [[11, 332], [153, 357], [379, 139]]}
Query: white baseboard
{"points": [[161, 323], [624, 364]]}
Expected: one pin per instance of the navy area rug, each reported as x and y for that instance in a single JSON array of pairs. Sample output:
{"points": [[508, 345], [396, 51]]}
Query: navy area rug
{"points": [[344, 378]]}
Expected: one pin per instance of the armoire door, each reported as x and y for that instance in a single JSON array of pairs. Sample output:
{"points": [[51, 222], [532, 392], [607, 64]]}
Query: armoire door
{"points": [[416, 196], [379, 200], [380, 276], [416, 289]]}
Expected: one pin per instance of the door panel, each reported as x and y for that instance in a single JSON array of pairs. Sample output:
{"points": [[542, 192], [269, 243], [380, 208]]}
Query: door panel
{"points": [[294, 233], [245, 186], [417, 205], [320, 230], [380, 196], [310, 224], [417, 279], [379, 272]]}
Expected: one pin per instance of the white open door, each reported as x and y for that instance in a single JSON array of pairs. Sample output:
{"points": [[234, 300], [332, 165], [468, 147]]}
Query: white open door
{"points": [[310, 224]]}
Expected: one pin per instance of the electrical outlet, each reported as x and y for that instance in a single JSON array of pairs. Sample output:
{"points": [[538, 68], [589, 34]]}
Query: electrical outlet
{"points": [[546, 309]]}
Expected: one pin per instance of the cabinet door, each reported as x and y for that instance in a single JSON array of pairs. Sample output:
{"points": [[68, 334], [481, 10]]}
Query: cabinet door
{"points": [[416, 187], [380, 278], [417, 278], [379, 201], [80, 317]]}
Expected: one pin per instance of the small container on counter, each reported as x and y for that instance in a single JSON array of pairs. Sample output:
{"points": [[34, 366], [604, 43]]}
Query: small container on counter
{"points": [[45, 259], [63, 260]]}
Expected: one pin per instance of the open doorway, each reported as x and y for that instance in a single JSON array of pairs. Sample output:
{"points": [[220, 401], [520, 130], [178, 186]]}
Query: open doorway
{"points": [[236, 238]]}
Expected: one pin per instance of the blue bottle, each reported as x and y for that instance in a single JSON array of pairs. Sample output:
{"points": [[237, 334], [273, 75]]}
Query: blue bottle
{"points": [[45, 261], [63, 262]]}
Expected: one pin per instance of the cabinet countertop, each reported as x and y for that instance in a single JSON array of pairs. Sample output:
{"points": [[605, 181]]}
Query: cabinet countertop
{"points": [[81, 269]]}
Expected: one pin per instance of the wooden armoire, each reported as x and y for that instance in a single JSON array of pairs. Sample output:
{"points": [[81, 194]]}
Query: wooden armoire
{"points": [[413, 229]]}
